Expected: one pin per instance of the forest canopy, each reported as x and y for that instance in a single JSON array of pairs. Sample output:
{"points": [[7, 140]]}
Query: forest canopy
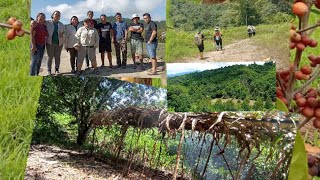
{"points": [[190, 15], [240, 84]]}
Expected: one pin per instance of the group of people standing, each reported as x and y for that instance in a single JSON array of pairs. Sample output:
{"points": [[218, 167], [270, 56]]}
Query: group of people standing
{"points": [[217, 40], [81, 41]]}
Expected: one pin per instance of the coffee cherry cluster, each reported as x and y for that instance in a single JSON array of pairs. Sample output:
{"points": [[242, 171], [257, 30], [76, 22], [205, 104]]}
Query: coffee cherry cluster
{"points": [[16, 29], [300, 41], [314, 60], [309, 105], [313, 165]]}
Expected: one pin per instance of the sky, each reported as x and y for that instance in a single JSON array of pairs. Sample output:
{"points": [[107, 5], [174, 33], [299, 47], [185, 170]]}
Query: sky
{"points": [[177, 68], [79, 8]]}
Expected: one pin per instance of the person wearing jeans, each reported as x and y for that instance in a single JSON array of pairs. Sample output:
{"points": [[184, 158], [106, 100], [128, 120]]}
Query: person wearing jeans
{"points": [[120, 43], [38, 39], [55, 41]]}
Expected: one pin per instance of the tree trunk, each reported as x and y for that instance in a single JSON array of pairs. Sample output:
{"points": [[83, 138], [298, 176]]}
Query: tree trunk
{"points": [[83, 131]]}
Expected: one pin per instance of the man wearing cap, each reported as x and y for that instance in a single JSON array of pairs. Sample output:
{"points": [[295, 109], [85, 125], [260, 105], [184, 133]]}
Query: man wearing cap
{"points": [[87, 42], [120, 41], [105, 31], [151, 41], [136, 29]]}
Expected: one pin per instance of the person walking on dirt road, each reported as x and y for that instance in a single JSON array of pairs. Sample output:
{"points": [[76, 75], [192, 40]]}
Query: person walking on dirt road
{"points": [[151, 41], [87, 42], [253, 30], [106, 35], [120, 41], [136, 41], [199, 38], [250, 30], [217, 37], [70, 40]]}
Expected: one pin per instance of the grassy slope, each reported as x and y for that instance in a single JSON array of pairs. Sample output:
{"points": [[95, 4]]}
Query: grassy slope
{"points": [[18, 95], [181, 43]]}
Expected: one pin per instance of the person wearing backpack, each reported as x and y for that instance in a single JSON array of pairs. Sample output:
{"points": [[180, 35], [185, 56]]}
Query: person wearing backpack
{"points": [[253, 30], [250, 30], [217, 37], [199, 38]]}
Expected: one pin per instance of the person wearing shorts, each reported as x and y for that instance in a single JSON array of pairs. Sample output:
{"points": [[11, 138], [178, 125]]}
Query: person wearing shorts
{"points": [[151, 41], [106, 36], [87, 42], [136, 41]]}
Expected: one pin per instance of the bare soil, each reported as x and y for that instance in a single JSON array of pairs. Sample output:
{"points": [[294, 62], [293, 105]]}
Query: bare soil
{"points": [[51, 162], [65, 67]]}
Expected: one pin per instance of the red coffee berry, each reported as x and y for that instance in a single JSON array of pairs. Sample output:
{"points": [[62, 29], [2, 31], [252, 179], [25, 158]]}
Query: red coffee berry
{"points": [[312, 102], [307, 112], [301, 102], [313, 43], [306, 70]]}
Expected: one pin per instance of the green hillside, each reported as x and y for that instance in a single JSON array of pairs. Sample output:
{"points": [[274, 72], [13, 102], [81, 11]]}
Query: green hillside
{"points": [[270, 17], [194, 91]]}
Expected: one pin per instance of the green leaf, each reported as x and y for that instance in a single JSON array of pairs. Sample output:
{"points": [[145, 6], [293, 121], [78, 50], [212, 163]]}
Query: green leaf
{"points": [[298, 167], [281, 106]]}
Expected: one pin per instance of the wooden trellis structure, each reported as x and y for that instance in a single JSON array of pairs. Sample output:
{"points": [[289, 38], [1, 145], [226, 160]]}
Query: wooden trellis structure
{"points": [[248, 128]]}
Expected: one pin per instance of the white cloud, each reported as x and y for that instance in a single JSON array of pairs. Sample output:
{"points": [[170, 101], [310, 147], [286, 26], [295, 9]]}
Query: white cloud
{"points": [[109, 7], [176, 68]]}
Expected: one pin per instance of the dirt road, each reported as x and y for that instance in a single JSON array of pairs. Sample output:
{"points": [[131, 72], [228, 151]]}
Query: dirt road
{"points": [[65, 67], [51, 162], [241, 51]]}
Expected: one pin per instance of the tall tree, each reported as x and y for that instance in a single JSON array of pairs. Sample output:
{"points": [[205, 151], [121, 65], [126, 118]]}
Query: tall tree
{"points": [[80, 97]]}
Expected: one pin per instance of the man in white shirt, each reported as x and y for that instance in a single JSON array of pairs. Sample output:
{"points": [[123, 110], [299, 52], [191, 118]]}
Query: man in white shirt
{"points": [[87, 42]]}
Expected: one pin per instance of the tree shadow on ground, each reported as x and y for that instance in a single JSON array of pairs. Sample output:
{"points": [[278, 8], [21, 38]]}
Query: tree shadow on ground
{"points": [[47, 162]]}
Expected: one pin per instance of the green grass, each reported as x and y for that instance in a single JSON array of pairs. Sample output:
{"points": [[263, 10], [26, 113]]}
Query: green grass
{"points": [[181, 43], [18, 95], [274, 38]]}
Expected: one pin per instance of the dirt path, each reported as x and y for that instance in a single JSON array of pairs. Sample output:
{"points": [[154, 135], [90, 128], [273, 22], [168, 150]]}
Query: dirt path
{"points": [[51, 162], [240, 51], [65, 67]]}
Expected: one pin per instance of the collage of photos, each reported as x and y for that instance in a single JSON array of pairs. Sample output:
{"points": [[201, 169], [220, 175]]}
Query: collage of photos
{"points": [[163, 89], [119, 41]]}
